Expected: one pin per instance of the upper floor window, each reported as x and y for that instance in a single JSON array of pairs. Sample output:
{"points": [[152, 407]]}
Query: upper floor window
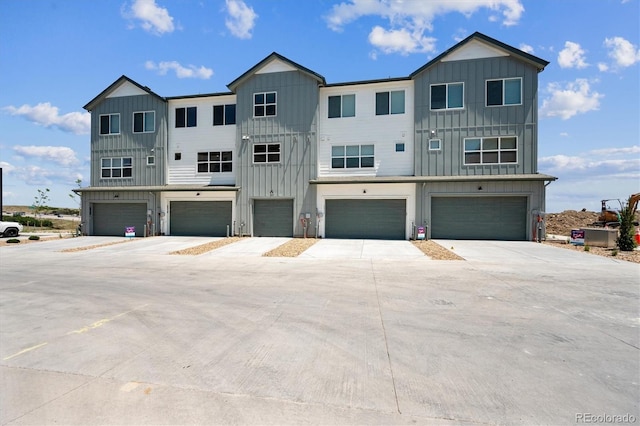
{"points": [[342, 106], [490, 150], [187, 117], [390, 102], [224, 114], [266, 153], [215, 162], [118, 167], [110, 124], [264, 104], [144, 122], [447, 96], [352, 156], [506, 91]]}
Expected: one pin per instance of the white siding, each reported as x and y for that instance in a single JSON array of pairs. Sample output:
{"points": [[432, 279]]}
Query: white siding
{"points": [[383, 131], [205, 137]]}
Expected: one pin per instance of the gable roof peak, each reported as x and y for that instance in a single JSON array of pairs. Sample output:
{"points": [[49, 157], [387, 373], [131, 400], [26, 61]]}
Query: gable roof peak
{"points": [[123, 79]]}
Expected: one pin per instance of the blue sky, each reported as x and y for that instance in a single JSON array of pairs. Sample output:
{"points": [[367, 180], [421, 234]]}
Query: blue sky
{"points": [[57, 55]]}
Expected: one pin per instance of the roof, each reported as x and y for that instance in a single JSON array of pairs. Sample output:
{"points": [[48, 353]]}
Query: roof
{"points": [[114, 86], [539, 63], [199, 188], [274, 55], [432, 179]]}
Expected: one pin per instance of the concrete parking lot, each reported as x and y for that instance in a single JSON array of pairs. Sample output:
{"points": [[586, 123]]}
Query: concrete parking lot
{"points": [[518, 333]]}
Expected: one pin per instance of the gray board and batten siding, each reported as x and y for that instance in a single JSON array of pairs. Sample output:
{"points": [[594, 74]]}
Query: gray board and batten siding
{"points": [[138, 146], [294, 127], [452, 126]]}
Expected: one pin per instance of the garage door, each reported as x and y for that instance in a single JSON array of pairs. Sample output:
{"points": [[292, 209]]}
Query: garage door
{"points": [[113, 218], [273, 218], [479, 218], [370, 219], [200, 218]]}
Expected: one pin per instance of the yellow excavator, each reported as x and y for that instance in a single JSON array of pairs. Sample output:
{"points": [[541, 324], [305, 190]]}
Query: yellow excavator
{"points": [[611, 217]]}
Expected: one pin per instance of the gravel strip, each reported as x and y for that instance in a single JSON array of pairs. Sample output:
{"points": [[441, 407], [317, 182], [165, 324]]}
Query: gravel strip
{"points": [[94, 246], [435, 251], [203, 248], [291, 248]]}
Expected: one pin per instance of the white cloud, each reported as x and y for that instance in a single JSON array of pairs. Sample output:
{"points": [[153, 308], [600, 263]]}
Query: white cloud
{"points": [[45, 114], [154, 19], [526, 48], [622, 51], [241, 18], [599, 162], [61, 155], [575, 98], [602, 67], [190, 71], [572, 56], [400, 41], [409, 19]]}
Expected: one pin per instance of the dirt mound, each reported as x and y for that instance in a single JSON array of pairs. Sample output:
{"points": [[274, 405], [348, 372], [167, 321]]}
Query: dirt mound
{"points": [[563, 223]]}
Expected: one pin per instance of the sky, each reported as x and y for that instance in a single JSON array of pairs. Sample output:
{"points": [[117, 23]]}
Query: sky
{"points": [[57, 55]]}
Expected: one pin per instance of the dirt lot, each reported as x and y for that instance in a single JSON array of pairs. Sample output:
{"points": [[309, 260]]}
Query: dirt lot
{"points": [[562, 223]]}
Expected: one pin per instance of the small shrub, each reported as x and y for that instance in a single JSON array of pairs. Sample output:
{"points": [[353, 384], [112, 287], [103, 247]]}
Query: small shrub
{"points": [[34, 237], [587, 248], [614, 252], [13, 241]]}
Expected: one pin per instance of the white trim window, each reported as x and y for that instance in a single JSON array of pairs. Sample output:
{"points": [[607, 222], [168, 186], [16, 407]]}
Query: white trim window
{"points": [[342, 106], [447, 96], [266, 153], [390, 102], [151, 160], [224, 115], [109, 124], [116, 168], [493, 150], [215, 162], [144, 122], [352, 156], [506, 91], [264, 104], [435, 144]]}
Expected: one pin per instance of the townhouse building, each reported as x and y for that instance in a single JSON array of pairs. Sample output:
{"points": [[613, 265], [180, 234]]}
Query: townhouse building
{"points": [[452, 147]]}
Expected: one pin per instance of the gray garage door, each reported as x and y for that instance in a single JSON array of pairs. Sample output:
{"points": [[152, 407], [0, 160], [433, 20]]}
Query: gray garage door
{"points": [[273, 218], [114, 218], [200, 218], [370, 219], [479, 218]]}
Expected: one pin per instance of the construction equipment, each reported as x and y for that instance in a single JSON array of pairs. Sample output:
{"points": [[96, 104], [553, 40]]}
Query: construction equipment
{"points": [[610, 217]]}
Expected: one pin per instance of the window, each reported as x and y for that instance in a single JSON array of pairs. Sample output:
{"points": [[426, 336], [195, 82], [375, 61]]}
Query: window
{"points": [[264, 104], [151, 160], [215, 162], [117, 167], [490, 150], [266, 153], [434, 145], [400, 147], [177, 156], [504, 92], [390, 102], [187, 117], [110, 124], [447, 96], [144, 122], [352, 156], [224, 115], [342, 106]]}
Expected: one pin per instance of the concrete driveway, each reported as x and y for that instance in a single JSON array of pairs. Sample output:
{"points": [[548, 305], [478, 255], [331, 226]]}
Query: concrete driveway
{"points": [[127, 334]]}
